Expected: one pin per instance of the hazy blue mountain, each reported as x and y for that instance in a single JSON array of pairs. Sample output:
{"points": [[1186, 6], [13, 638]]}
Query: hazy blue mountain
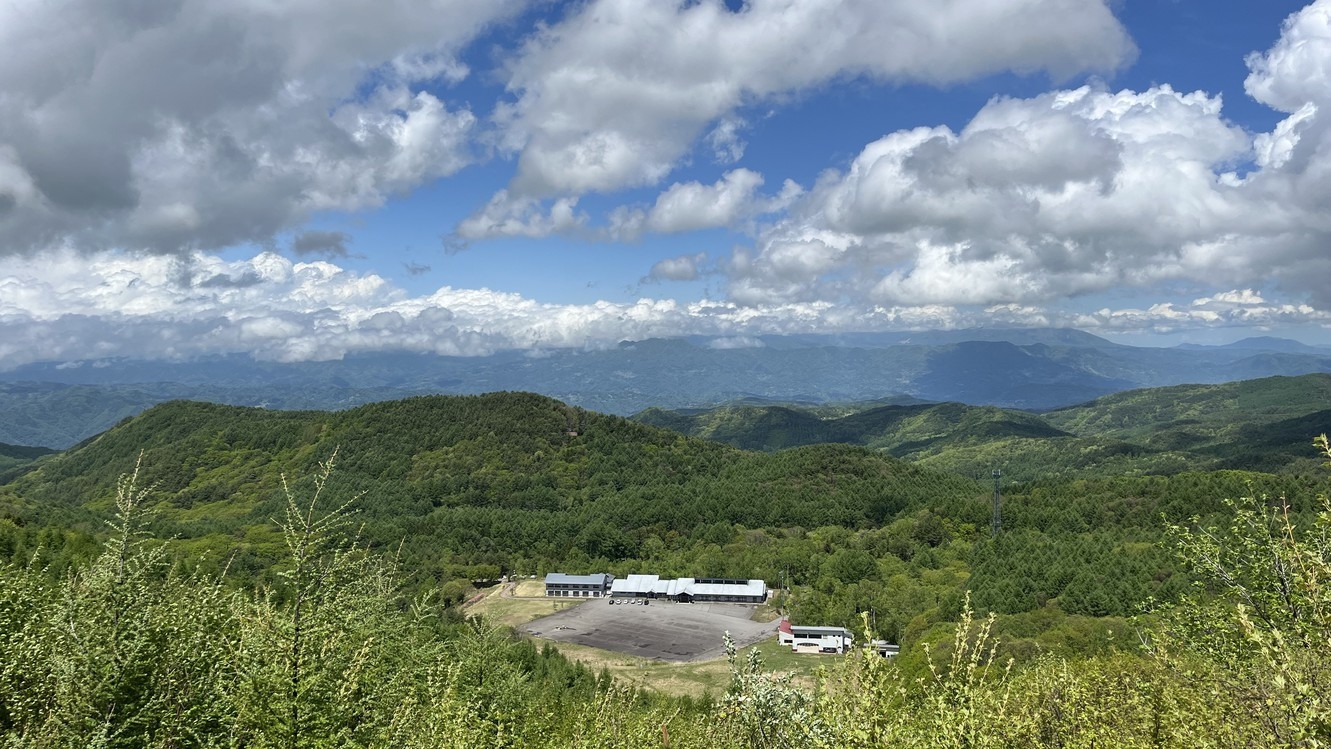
{"points": [[59, 404], [1266, 343]]}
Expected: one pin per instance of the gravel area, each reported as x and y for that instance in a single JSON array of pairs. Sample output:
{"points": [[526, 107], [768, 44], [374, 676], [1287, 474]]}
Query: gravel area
{"points": [[661, 630]]}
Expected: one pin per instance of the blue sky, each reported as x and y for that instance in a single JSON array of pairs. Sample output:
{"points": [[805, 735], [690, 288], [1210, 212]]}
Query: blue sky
{"points": [[312, 179]]}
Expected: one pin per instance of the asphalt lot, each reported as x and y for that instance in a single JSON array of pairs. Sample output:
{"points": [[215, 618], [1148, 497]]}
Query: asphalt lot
{"points": [[662, 630]]}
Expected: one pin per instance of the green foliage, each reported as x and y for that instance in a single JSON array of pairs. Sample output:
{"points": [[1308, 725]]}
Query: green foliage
{"points": [[118, 653], [1263, 618], [323, 648], [1251, 425], [762, 709], [14, 459], [237, 630], [1258, 425], [122, 651], [466, 484]]}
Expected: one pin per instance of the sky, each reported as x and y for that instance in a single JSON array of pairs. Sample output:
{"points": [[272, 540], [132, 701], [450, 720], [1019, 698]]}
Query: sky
{"points": [[309, 179]]}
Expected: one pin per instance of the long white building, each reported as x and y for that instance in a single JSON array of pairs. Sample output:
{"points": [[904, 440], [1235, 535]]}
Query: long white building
{"points": [[690, 589], [814, 639]]}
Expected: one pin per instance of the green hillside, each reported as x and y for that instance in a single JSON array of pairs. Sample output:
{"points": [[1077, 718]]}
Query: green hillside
{"points": [[898, 429], [14, 457], [470, 487], [1262, 425], [1256, 424], [198, 621], [504, 480], [950, 437]]}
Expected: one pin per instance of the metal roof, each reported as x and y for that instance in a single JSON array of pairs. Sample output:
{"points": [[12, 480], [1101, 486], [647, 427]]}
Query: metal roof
{"points": [[653, 584], [639, 584], [750, 588], [559, 578], [797, 629]]}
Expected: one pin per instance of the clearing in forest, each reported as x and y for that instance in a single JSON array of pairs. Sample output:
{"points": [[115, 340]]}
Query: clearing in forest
{"points": [[679, 632]]}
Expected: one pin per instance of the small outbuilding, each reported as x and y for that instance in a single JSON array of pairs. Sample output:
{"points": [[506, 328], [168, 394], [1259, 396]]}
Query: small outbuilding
{"points": [[885, 649], [814, 639]]}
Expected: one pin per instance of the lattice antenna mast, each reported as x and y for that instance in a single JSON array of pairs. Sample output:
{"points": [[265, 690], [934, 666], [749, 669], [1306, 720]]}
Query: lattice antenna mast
{"points": [[998, 503]]}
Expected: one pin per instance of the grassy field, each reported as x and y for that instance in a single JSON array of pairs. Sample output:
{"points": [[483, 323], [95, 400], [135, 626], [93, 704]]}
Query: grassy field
{"points": [[693, 679], [530, 589], [513, 612], [766, 613]]}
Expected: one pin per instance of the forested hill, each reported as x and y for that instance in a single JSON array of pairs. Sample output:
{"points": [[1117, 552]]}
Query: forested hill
{"points": [[1204, 414], [15, 456], [913, 430], [453, 490], [506, 479], [1262, 425]]}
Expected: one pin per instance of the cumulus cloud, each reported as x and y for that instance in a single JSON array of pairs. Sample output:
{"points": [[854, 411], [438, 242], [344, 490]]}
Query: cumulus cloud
{"points": [[508, 215], [1070, 193], [188, 124], [86, 307], [691, 206], [1297, 70], [616, 93], [1232, 309], [224, 123]]}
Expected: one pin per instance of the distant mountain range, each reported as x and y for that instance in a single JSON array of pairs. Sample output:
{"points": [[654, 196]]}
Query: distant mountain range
{"points": [[59, 404]]}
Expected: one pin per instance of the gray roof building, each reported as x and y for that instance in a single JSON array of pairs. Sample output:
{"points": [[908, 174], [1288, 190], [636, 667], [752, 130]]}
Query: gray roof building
{"points": [[578, 586]]}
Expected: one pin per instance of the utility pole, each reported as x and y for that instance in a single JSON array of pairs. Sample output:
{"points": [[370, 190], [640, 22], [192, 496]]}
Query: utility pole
{"points": [[998, 503]]}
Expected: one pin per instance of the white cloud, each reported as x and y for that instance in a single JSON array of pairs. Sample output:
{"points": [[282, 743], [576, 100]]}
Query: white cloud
{"points": [[336, 106], [682, 268], [1230, 299], [690, 206], [1074, 192], [516, 216], [1064, 194], [735, 342], [76, 307], [727, 146], [197, 124], [731, 201], [613, 95], [1297, 69], [1232, 309]]}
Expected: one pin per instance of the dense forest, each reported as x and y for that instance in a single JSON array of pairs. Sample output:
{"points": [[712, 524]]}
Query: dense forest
{"points": [[1258, 425], [214, 575]]}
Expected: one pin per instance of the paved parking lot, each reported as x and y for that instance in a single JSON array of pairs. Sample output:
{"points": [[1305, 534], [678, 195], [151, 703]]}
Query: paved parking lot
{"points": [[662, 630]]}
